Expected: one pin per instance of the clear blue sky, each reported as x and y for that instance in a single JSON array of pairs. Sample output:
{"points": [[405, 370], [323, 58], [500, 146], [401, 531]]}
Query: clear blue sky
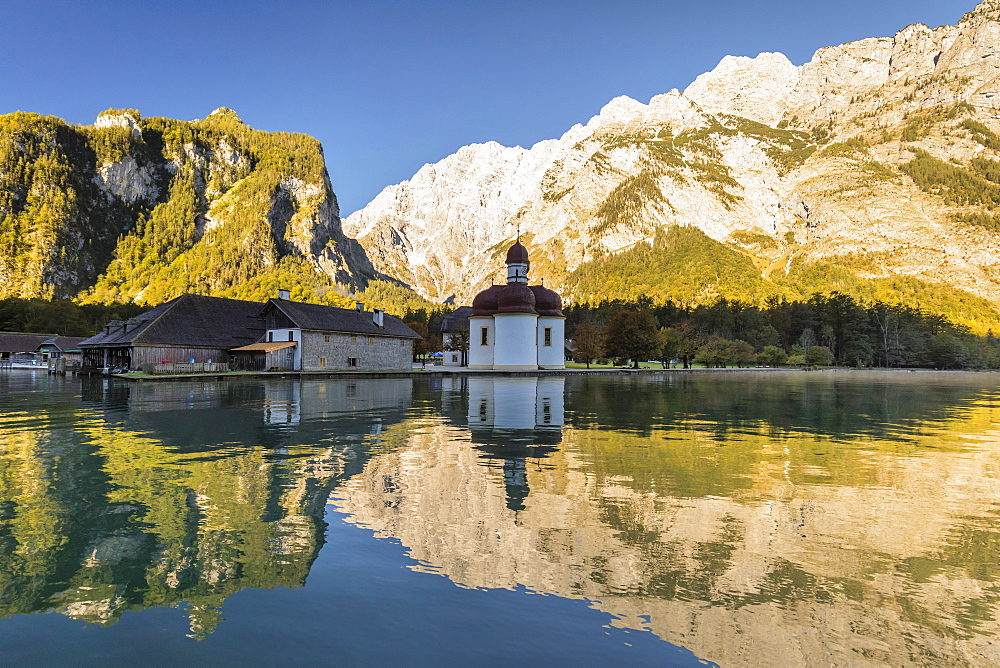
{"points": [[389, 85]]}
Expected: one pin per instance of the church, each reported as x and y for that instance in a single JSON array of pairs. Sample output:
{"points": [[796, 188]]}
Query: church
{"points": [[517, 327]]}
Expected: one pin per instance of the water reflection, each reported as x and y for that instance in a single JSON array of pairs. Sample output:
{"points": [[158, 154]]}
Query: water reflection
{"points": [[130, 496], [514, 421], [757, 541], [752, 518]]}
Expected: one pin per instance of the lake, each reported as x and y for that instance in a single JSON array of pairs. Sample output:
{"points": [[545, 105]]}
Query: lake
{"points": [[739, 518]]}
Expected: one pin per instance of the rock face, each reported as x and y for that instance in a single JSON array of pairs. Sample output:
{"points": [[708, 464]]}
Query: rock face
{"points": [[789, 165], [145, 209]]}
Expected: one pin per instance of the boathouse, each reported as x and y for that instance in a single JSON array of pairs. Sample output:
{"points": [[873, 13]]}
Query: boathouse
{"points": [[190, 328]]}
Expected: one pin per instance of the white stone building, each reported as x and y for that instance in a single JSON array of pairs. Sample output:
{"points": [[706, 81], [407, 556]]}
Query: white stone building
{"points": [[517, 326]]}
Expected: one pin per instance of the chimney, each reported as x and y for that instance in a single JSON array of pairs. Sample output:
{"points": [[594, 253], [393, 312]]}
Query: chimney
{"points": [[359, 306], [285, 295], [377, 316]]}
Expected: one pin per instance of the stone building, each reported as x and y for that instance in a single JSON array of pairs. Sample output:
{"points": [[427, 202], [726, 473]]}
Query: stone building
{"points": [[313, 337], [517, 326]]}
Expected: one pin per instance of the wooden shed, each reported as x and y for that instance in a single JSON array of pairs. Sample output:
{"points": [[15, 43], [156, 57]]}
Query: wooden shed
{"points": [[267, 356]]}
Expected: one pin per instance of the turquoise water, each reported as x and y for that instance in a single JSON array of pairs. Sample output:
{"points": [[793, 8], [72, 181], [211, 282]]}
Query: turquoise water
{"points": [[779, 518]]}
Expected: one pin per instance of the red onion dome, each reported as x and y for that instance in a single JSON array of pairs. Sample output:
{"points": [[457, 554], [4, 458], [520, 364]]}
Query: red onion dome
{"points": [[547, 302], [517, 254], [516, 298], [485, 303]]}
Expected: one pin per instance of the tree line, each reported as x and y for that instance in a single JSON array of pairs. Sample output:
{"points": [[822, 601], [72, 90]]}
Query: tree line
{"points": [[823, 330]]}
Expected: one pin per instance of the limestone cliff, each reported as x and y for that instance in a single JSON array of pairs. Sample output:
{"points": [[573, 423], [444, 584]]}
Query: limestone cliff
{"points": [[878, 157], [143, 209]]}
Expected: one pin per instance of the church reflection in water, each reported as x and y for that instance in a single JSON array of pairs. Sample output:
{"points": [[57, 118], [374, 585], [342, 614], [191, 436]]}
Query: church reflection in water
{"points": [[514, 421], [737, 544]]}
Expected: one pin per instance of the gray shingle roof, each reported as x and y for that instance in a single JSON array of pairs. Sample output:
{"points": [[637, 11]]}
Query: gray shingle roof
{"points": [[457, 320], [21, 342], [188, 320], [333, 319], [64, 343]]}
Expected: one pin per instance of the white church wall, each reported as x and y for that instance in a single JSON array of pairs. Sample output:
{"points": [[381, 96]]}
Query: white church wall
{"points": [[480, 355], [516, 341], [551, 356]]}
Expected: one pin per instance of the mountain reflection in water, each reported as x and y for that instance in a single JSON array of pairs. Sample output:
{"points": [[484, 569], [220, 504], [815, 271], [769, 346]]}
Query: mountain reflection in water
{"points": [[143, 495], [753, 518], [763, 519]]}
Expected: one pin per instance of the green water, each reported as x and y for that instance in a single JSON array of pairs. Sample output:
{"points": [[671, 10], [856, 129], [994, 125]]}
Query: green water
{"points": [[742, 518]]}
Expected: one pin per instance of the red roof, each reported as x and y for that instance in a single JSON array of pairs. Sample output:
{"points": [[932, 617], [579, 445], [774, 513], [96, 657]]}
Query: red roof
{"points": [[516, 298], [517, 254]]}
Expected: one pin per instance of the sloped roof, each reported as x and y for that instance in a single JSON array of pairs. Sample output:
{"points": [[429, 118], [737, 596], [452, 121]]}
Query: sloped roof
{"points": [[333, 319], [64, 343], [457, 320], [188, 320], [22, 342]]}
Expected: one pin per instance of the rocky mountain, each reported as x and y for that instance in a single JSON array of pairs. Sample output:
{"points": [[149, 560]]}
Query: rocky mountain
{"points": [[873, 169], [143, 209]]}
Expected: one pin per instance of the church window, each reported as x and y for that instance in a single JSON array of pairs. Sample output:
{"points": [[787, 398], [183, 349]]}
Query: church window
{"points": [[484, 336], [548, 336]]}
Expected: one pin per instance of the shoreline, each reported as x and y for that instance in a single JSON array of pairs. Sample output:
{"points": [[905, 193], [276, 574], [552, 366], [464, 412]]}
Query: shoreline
{"points": [[438, 371]]}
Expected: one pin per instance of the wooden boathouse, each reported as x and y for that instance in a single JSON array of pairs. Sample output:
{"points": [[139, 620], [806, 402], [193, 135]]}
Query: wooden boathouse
{"points": [[190, 328]]}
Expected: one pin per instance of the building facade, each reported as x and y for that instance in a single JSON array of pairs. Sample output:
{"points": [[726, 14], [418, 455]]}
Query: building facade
{"points": [[517, 326], [313, 337], [455, 337]]}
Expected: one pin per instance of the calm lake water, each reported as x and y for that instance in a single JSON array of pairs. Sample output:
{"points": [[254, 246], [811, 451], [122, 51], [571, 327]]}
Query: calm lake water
{"points": [[745, 518]]}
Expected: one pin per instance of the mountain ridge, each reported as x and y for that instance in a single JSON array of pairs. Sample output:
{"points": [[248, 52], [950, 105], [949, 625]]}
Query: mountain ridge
{"points": [[785, 164]]}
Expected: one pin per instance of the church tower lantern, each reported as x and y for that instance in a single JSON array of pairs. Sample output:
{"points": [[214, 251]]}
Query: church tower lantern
{"points": [[517, 264]]}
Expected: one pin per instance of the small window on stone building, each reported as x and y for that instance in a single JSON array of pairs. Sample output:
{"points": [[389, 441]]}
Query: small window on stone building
{"points": [[322, 361], [326, 338], [354, 339], [484, 336], [353, 362], [548, 336], [371, 340]]}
